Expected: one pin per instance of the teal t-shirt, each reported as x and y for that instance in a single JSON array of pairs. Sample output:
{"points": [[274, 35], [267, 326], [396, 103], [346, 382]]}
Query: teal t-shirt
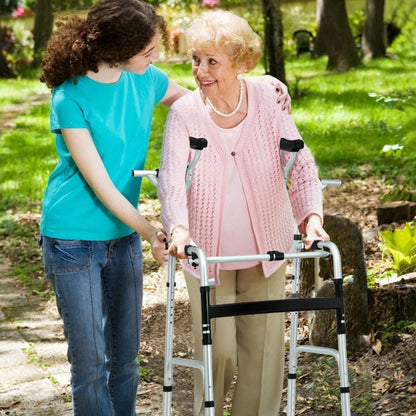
{"points": [[118, 117]]}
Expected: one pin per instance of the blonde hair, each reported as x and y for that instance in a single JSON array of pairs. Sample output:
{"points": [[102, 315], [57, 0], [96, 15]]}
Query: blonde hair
{"points": [[227, 31]]}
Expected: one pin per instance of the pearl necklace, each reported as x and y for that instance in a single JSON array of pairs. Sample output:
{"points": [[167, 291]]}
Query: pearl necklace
{"points": [[240, 100]]}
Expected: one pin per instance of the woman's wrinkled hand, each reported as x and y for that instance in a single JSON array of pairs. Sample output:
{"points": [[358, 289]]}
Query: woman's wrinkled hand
{"points": [[314, 231], [180, 238]]}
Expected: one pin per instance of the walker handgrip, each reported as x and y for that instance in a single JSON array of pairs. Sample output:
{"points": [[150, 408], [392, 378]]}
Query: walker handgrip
{"points": [[193, 256], [197, 144], [315, 246], [291, 145], [188, 253]]}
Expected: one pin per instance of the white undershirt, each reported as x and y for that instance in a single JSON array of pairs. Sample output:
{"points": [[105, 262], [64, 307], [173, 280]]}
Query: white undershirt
{"points": [[237, 236]]}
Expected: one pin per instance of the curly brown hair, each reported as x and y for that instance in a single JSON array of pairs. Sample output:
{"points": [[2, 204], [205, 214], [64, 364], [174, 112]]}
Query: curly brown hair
{"points": [[113, 32]]}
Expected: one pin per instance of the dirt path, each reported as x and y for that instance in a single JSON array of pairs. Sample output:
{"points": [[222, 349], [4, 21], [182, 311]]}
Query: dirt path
{"points": [[34, 371], [9, 113]]}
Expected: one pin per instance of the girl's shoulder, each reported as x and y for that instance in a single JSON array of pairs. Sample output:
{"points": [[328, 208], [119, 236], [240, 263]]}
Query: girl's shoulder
{"points": [[152, 75], [66, 90], [188, 102]]}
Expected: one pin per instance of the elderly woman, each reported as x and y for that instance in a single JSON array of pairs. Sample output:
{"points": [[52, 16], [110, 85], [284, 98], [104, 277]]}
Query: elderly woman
{"points": [[238, 204]]}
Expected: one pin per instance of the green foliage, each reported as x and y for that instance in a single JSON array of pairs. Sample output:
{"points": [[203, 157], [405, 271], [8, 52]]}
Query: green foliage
{"points": [[399, 193], [27, 157], [398, 161], [391, 333], [404, 17], [356, 21], [18, 241], [399, 100], [340, 121], [61, 5], [16, 91], [17, 46], [375, 274], [144, 372], [400, 244]]}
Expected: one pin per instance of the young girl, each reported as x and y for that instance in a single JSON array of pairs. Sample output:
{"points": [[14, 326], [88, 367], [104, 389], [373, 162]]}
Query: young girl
{"points": [[104, 89]]}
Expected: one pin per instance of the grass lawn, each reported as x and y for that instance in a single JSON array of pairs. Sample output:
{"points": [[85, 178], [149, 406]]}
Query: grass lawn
{"points": [[13, 91], [345, 119]]}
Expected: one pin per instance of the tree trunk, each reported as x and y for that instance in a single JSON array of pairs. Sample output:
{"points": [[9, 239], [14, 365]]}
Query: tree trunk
{"points": [[373, 42], [349, 240], [391, 304], [274, 62], [43, 28], [334, 36], [5, 71]]}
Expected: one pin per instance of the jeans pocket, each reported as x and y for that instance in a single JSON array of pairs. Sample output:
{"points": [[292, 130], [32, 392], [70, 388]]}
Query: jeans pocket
{"points": [[135, 244], [71, 255]]}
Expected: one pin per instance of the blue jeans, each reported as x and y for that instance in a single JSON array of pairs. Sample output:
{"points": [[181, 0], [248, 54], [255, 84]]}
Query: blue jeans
{"points": [[98, 287]]}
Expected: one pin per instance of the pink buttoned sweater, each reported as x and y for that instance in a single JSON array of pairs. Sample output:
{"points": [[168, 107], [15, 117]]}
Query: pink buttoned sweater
{"points": [[256, 155]]}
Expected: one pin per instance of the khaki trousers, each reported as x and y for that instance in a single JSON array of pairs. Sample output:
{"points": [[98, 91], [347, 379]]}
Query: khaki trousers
{"points": [[253, 345]]}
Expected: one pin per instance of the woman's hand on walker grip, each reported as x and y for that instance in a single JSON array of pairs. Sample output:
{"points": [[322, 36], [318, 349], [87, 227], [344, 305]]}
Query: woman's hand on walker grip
{"points": [[180, 238], [314, 231]]}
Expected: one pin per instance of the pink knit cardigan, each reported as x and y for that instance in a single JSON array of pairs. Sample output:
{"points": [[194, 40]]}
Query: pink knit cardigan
{"points": [[256, 155]]}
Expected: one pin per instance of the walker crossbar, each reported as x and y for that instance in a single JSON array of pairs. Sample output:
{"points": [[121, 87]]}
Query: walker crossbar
{"points": [[270, 306]]}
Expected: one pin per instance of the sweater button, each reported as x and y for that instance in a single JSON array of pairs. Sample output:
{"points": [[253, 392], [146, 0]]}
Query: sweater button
{"points": [[232, 153]]}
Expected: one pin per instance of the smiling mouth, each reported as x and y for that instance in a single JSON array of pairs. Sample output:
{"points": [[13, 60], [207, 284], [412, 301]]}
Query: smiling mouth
{"points": [[207, 83]]}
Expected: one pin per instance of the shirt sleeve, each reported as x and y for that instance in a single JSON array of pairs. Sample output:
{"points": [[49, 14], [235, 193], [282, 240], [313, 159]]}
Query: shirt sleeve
{"points": [[160, 82], [305, 187], [65, 113], [171, 189]]}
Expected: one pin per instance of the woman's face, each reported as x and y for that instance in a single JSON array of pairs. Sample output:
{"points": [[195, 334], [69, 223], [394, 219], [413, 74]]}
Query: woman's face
{"points": [[214, 72], [139, 62]]}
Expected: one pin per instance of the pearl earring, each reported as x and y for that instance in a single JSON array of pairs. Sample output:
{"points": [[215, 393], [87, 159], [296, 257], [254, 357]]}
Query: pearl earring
{"points": [[240, 76]]}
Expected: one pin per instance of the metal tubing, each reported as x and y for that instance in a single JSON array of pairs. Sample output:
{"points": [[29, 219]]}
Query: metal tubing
{"points": [[170, 310], [198, 254], [330, 182], [260, 257], [293, 340], [151, 175]]}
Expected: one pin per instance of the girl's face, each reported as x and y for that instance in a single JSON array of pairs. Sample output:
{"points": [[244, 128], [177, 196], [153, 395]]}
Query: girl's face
{"points": [[139, 62], [214, 72]]}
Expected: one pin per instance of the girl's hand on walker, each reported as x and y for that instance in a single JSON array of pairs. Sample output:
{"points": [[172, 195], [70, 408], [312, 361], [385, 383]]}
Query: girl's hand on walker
{"points": [[160, 246]]}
